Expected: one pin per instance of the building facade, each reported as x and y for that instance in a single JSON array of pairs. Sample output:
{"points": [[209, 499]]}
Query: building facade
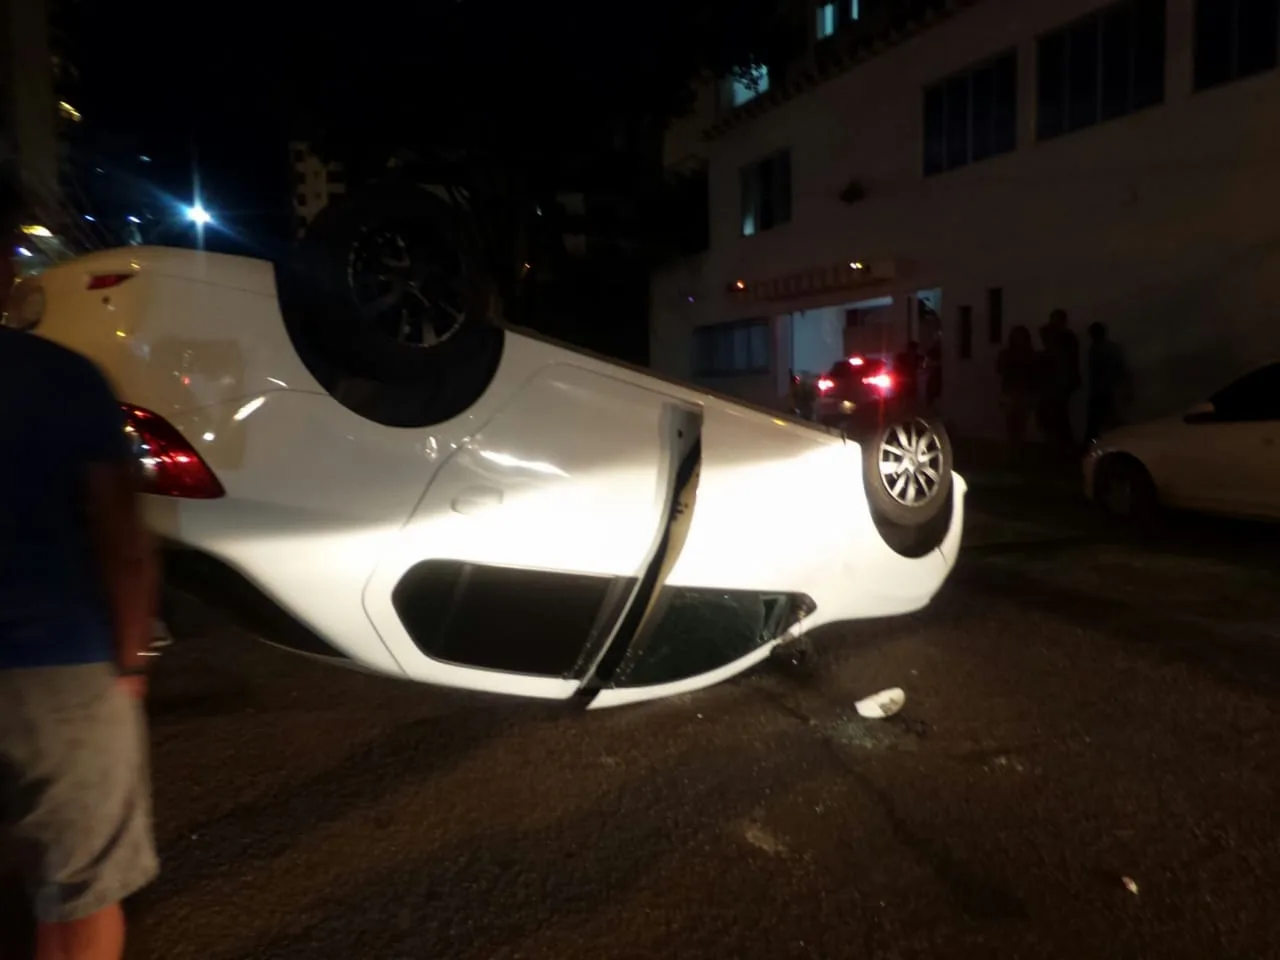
{"points": [[38, 121], [975, 169], [316, 182]]}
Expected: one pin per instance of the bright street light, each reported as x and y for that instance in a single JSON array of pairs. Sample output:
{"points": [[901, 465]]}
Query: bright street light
{"points": [[199, 215]]}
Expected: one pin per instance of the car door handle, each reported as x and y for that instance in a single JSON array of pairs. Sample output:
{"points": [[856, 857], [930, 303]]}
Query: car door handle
{"points": [[477, 500]]}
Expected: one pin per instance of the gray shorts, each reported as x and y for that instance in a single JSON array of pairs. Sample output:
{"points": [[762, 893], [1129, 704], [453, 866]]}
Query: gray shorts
{"points": [[74, 787]]}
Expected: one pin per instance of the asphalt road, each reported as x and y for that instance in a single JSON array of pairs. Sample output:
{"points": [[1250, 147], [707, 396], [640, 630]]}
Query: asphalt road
{"points": [[1080, 711]]}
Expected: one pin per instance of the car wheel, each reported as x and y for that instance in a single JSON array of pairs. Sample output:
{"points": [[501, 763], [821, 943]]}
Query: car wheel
{"points": [[390, 303], [907, 463], [1124, 489]]}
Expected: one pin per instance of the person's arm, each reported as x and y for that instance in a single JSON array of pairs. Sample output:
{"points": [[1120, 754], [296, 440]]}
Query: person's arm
{"points": [[124, 553], [126, 559]]}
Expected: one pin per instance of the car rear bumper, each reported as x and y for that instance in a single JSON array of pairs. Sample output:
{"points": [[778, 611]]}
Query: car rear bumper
{"points": [[833, 411]]}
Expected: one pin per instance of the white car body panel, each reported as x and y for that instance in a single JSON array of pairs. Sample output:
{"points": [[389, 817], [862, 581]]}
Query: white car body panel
{"points": [[564, 464], [1228, 467]]}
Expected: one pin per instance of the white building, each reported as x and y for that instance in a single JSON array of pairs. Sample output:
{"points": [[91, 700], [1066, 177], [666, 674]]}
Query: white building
{"points": [[315, 183], [1118, 160]]}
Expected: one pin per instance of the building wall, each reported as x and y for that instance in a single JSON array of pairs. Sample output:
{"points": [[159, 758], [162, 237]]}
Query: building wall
{"points": [[315, 184], [1161, 224], [816, 336], [28, 106]]}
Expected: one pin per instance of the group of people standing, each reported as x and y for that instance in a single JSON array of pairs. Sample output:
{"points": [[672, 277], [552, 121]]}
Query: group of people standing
{"points": [[1042, 383]]}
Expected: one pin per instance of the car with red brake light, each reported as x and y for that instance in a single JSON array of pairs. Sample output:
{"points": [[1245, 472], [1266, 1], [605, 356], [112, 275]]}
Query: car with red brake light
{"points": [[855, 385], [358, 461]]}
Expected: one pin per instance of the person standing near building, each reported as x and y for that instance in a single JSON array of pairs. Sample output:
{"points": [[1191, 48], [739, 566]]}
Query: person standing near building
{"points": [[1108, 384], [1060, 381], [933, 375], [1018, 367], [77, 599], [906, 365]]}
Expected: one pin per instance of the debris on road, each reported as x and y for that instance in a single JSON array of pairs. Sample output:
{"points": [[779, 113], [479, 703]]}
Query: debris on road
{"points": [[880, 706], [1131, 885], [1005, 761], [761, 838]]}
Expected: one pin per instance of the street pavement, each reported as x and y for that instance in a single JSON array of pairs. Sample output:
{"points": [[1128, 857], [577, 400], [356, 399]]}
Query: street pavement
{"points": [[1086, 767]]}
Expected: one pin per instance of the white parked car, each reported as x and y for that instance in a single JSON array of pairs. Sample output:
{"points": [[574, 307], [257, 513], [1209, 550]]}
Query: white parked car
{"points": [[473, 506], [1222, 456]]}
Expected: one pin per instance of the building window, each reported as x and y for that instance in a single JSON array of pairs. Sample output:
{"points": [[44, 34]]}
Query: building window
{"points": [[971, 116], [766, 193], [335, 176], [299, 154], [731, 349], [855, 9], [748, 84], [1235, 39], [1101, 68], [826, 20], [301, 178], [300, 200]]}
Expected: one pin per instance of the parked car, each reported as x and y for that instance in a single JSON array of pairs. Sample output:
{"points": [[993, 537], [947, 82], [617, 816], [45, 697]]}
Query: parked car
{"points": [[472, 505], [1222, 456], [855, 385]]}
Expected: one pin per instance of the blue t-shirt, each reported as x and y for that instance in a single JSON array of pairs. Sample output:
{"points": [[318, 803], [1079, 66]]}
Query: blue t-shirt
{"points": [[57, 416]]}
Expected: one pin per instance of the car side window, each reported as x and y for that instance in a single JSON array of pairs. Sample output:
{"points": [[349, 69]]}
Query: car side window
{"points": [[1255, 396]]}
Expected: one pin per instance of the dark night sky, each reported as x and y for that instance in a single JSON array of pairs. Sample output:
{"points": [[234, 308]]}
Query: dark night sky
{"points": [[177, 81], [236, 79]]}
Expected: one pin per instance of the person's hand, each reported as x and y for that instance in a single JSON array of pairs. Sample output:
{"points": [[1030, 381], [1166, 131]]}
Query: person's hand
{"points": [[133, 685]]}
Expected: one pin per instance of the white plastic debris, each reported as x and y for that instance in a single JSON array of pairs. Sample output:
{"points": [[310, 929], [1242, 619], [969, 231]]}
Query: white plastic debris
{"points": [[1131, 885], [881, 705]]}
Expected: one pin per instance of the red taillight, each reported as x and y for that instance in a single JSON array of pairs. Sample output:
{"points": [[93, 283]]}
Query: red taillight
{"points": [[825, 384], [102, 281], [881, 381], [170, 466]]}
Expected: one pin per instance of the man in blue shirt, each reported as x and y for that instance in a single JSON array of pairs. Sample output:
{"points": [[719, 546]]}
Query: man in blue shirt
{"points": [[77, 597]]}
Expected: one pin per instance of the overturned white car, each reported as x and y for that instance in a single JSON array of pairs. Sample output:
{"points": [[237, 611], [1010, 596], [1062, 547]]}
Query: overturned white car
{"points": [[472, 506]]}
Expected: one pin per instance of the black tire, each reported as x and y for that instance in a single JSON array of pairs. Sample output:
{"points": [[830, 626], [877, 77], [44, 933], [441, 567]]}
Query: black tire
{"points": [[919, 490], [918, 541], [1123, 489], [390, 304]]}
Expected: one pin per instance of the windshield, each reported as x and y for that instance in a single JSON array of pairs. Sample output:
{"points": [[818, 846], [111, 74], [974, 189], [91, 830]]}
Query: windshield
{"points": [[843, 371]]}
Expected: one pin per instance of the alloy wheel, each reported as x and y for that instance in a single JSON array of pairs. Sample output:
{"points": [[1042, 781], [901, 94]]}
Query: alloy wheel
{"points": [[911, 462], [408, 287]]}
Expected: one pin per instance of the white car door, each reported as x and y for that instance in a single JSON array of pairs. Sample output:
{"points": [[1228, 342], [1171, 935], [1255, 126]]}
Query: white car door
{"points": [[532, 539]]}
